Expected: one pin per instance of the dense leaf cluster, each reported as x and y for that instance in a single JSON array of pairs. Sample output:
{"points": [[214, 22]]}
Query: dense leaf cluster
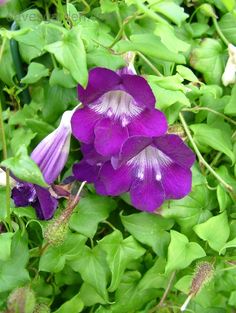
{"points": [[107, 257]]}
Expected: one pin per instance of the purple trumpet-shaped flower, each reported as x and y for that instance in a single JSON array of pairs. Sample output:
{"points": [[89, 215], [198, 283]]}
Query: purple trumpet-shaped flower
{"points": [[50, 155], [117, 105], [151, 169]]}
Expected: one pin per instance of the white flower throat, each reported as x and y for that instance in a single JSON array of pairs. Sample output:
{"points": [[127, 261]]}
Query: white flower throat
{"points": [[117, 104], [149, 159]]}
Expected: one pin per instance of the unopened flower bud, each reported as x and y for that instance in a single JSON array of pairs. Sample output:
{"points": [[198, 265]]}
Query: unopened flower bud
{"points": [[228, 76], [21, 300], [41, 308], [202, 275], [207, 10]]}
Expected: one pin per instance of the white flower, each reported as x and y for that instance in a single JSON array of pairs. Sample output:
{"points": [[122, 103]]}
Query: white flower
{"points": [[229, 76]]}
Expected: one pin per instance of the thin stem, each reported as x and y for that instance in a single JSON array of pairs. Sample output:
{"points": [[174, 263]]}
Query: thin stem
{"points": [[155, 70], [200, 157], [156, 17], [8, 190], [163, 298], [195, 109], [219, 32]]}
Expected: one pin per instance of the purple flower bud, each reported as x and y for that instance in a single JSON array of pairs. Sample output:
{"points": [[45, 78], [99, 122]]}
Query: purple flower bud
{"points": [[50, 155], [117, 105], [52, 152]]}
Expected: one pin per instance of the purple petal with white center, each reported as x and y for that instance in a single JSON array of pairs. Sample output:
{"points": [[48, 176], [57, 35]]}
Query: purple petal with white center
{"points": [[149, 123], [45, 205], [83, 171], [147, 194], [117, 105], [117, 181], [176, 181], [101, 80], [52, 152], [139, 89], [131, 147], [174, 147], [109, 136], [23, 194], [82, 123]]}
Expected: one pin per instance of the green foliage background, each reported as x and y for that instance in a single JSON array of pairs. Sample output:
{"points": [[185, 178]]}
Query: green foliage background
{"points": [[114, 258]]}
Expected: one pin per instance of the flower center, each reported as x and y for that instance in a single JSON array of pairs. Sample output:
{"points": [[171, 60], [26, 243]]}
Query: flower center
{"points": [[117, 104], [149, 160]]}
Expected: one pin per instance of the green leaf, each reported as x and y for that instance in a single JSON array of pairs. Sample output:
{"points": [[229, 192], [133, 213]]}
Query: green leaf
{"points": [[169, 9], [120, 252], [230, 108], [186, 73], [229, 244], [215, 231], [70, 53], [56, 101], [232, 299], [36, 71], [103, 58], [92, 267], [7, 69], [146, 228], [149, 45], [74, 305], [21, 136], [215, 138], [13, 272], [91, 211], [108, 6], [222, 197], [5, 246], [55, 257], [181, 252], [228, 27], [89, 295], [208, 59], [24, 168], [63, 78], [169, 38], [229, 4]]}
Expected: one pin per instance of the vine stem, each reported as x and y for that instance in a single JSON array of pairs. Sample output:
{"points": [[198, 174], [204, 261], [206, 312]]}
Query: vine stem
{"points": [[200, 157], [4, 148], [212, 111], [219, 32], [155, 70], [163, 298]]}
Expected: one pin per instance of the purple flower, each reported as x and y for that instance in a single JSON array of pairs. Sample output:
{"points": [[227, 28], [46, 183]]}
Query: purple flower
{"points": [[151, 169], [25, 194], [50, 155], [117, 105]]}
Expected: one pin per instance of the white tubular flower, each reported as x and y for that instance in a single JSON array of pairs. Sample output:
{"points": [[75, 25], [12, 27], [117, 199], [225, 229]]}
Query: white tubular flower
{"points": [[229, 75]]}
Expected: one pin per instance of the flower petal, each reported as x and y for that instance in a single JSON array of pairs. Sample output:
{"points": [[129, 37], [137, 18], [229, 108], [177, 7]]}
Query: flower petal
{"points": [[131, 147], [109, 136], [83, 122], [23, 194], [101, 80], [147, 195], [176, 181], [117, 181], [174, 147], [46, 204], [51, 154], [149, 123], [139, 89], [91, 156], [83, 171]]}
